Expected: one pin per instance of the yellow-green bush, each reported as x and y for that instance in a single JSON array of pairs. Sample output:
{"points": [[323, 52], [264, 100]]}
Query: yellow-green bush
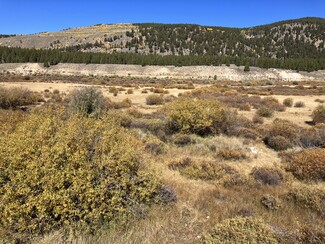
{"points": [[241, 230], [58, 172], [207, 170], [194, 115], [9, 119], [309, 196]]}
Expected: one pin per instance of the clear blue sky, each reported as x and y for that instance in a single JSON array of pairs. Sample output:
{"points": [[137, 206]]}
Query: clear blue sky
{"points": [[23, 16]]}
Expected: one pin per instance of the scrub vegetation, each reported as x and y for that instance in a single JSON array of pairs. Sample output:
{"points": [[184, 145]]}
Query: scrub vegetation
{"points": [[87, 166]]}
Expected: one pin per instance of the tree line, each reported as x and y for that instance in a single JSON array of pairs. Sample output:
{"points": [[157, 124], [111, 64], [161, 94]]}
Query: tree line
{"points": [[53, 57]]}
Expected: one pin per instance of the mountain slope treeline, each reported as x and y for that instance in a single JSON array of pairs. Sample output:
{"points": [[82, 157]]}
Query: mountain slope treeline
{"points": [[53, 57], [294, 44], [301, 38]]}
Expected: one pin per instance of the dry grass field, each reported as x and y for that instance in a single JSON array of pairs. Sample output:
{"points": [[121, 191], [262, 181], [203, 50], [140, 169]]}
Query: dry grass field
{"points": [[218, 172], [297, 115]]}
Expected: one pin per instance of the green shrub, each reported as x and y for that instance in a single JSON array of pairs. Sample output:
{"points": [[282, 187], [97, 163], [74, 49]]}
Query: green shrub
{"points": [[9, 119], [113, 90], [318, 100], [288, 102], [154, 100], [56, 91], [258, 119], [282, 135], [125, 103], [279, 143], [300, 104], [159, 90], [313, 137], [183, 139], [207, 170], [270, 202], [319, 114], [87, 101], [284, 128], [233, 123], [310, 234], [272, 104], [267, 176], [309, 196], [231, 154], [12, 98], [308, 164], [241, 230], [79, 171], [195, 116], [265, 112], [248, 133], [244, 107]]}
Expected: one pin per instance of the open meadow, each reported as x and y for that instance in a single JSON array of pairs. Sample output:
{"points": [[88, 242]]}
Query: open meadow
{"points": [[135, 160]]}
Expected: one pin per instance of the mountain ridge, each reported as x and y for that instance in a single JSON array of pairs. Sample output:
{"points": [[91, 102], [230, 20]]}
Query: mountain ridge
{"points": [[307, 18]]}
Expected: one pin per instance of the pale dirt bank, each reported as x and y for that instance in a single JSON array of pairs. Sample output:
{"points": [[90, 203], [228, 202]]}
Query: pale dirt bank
{"points": [[232, 73]]}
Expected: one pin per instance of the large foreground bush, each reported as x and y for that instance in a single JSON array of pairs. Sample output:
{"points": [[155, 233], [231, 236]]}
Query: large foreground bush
{"points": [[195, 115], [58, 172]]}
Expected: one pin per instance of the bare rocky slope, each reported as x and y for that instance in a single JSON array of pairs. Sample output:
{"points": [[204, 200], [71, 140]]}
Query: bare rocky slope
{"points": [[233, 72]]}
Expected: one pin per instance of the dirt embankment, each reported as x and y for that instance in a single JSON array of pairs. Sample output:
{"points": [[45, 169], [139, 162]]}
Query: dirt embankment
{"points": [[233, 73]]}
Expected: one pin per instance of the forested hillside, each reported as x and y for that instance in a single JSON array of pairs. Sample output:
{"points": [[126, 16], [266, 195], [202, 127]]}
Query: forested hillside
{"points": [[302, 38], [294, 44]]}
